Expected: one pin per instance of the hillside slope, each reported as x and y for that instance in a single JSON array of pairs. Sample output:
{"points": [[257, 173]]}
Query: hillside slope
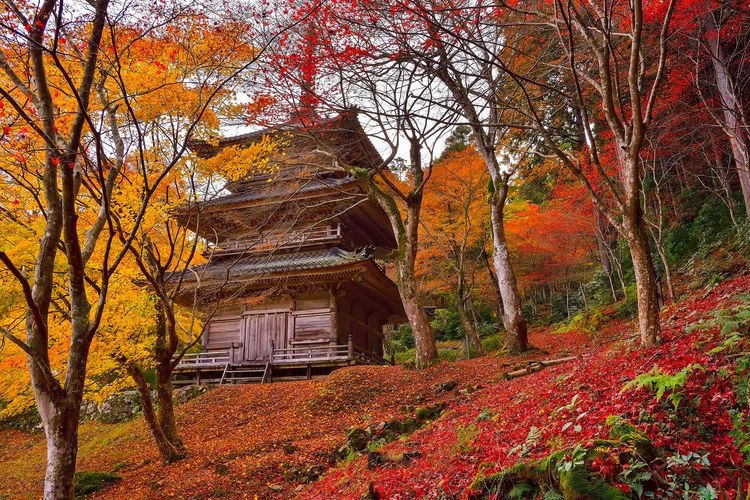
{"points": [[272, 440]]}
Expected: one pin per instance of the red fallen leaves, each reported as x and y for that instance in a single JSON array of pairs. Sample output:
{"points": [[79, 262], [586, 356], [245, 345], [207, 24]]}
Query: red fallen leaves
{"points": [[237, 435], [540, 400]]}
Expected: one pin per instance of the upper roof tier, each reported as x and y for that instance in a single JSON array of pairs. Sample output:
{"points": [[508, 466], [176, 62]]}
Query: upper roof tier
{"points": [[305, 187]]}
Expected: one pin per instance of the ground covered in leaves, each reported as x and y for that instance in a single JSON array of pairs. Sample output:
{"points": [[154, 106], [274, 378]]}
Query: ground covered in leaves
{"points": [[458, 429]]}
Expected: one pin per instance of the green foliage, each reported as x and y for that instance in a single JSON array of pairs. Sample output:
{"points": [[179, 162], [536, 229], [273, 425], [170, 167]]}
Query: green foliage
{"points": [[492, 343], [446, 325], [740, 419], [635, 475], [458, 140], [588, 321], [628, 307], [733, 324], [465, 437], [575, 459], [661, 383], [531, 442], [523, 490], [485, 414], [87, 483]]}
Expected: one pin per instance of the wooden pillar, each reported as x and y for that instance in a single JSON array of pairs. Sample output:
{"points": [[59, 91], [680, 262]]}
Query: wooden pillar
{"points": [[334, 319], [350, 346]]}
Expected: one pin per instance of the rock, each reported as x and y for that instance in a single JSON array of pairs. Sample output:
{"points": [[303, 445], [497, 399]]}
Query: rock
{"points": [[430, 412], [185, 394], [288, 447], [357, 439], [380, 427], [120, 407], [388, 436], [275, 487], [299, 488], [445, 386]]}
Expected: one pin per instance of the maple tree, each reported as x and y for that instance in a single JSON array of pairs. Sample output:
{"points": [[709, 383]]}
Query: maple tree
{"points": [[454, 222], [85, 106]]}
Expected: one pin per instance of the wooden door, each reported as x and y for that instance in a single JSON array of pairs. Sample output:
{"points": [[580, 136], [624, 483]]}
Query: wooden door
{"points": [[260, 330]]}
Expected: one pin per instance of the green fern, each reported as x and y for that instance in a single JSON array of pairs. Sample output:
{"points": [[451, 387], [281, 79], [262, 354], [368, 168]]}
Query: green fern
{"points": [[662, 383]]}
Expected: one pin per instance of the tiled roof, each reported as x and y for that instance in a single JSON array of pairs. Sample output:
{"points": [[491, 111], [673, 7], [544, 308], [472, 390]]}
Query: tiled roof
{"points": [[269, 190], [253, 266]]}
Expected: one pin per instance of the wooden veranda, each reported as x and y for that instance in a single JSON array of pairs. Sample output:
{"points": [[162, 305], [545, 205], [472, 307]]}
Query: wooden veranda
{"points": [[287, 363]]}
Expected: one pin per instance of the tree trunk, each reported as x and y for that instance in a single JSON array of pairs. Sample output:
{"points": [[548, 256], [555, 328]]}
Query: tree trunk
{"points": [[424, 341], [168, 452], [604, 250], [732, 111], [645, 279], [466, 323], [60, 420], [513, 320], [164, 395], [496, 287], [583, 296]]}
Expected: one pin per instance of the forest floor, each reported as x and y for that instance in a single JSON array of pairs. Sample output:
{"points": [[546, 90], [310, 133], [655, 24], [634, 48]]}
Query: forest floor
{"points": [[272, 440]]}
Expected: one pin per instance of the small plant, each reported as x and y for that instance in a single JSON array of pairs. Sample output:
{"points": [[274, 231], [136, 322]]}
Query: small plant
{"points": [[532, 440], [575, 459], [465, 437], [577, 415], [635, 475], [678, 484], [733, 324], [662, 383], [485, 414]]}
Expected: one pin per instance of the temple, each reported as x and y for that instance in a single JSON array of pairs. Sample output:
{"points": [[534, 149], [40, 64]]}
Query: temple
{"points": [[291, 287]]}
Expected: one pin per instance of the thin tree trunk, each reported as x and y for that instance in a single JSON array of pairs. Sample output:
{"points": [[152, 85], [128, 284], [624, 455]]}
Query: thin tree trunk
{"points": [[583, 296], [732, 111], [466, 323], [515, 324], [604, 250], [168, 452], [496, 287], [646, 282]]}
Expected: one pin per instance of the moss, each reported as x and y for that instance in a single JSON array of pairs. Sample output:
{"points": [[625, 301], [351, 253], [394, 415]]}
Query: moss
{"points": [[87, 483], [430, 412], [580, 484], [624, 432], [357, 439]]}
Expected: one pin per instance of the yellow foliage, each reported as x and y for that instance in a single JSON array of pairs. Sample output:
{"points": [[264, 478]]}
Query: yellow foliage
{"points": [[238, 162]]}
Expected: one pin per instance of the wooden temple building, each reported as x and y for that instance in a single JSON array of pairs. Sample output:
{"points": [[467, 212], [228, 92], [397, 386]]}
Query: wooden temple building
{"points": [[291, 287]]}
